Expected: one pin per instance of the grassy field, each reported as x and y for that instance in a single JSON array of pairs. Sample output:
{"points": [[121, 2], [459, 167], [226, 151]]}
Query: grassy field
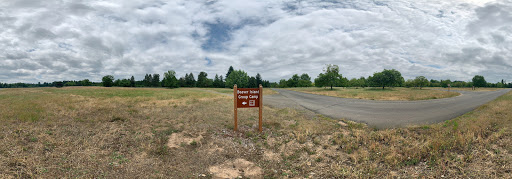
{"points": [[187, 133], [392, 94], [468, 89]]}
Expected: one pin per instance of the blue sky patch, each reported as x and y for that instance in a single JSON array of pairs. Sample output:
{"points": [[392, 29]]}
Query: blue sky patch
{"points": [[208, 61]]}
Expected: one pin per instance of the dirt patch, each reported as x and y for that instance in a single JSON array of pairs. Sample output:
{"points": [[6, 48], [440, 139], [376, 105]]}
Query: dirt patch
{"points": [[235, 169], [271, 156], [177, 140]]}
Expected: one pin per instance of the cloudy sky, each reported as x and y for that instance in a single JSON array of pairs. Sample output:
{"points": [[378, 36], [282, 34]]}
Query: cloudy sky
{"points": [[73, 40]]}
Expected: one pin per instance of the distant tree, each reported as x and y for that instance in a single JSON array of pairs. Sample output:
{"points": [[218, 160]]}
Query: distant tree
{"points": [[294, 81], [155, 82], [445, 83], [479, 81], [132, 81], [170, 80], [321, 80], [387, 78], [108, 81], [85, 82], [123, 83], [331, 77], [253, 83], [202, 80], [58, 84], [421, 81], [409, 83], [304, 81], [182, 81], [238, 77], [148, 79], [283, 83], [116, 82], [354, 82], [70, 83], [362, 82], [218, 82], [259, 81], [190, 81], [229, 71]]}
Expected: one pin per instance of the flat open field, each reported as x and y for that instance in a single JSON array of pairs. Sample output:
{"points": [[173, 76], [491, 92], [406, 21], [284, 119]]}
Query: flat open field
{"points": [[468, 89], [187, 133], [391, 94]]}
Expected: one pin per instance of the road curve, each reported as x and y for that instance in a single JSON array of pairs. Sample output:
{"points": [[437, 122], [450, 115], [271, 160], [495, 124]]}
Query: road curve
{"points": [[385, 114]]}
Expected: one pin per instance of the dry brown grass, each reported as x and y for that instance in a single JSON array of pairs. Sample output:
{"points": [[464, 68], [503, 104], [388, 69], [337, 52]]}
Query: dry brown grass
{"points": [[468, 89], [124, 133], [391, 94]]}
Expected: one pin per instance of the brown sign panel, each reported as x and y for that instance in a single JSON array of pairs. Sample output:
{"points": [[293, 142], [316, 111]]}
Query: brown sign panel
{"points": [[248, 97]]}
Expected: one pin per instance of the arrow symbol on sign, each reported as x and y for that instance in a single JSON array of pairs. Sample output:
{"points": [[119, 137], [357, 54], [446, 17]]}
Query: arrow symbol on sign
{"points": [[244, 103]]}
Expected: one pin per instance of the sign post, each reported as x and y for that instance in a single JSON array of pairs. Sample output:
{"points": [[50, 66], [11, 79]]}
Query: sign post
{"points": [[248, 98], [236, 112]]}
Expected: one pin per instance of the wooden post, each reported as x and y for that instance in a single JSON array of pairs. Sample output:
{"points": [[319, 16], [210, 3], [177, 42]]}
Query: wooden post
{"points": [[235, 112], [261, 109]]}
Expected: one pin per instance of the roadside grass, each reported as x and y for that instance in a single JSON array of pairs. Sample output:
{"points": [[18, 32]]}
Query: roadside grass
{"points": [[467, 89], [125, 133], [392, 94]]}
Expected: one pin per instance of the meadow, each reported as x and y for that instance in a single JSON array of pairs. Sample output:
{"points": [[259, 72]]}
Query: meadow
{"points": [[390, 94], [97, 132]]}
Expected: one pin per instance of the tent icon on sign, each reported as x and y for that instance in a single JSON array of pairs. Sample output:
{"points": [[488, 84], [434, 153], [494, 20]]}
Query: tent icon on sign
{"points": [[252, 102]]}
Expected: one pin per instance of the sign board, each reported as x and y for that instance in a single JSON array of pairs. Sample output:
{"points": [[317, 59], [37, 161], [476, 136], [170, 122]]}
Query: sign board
{"points": [[248, 97]]}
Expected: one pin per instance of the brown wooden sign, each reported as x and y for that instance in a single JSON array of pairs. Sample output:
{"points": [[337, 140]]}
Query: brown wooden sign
{"points": [[248, 98]]}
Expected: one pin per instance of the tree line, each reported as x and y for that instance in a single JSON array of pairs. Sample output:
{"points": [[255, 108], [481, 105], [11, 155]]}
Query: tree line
{"points": [[331, 77], [170, 80]]}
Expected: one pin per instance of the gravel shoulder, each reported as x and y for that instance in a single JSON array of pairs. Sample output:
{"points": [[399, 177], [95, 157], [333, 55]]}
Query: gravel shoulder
{"points": [[384, 114]]}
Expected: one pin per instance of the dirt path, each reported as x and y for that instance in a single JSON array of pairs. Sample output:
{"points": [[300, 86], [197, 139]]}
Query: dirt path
{"points": [[384, 114]]}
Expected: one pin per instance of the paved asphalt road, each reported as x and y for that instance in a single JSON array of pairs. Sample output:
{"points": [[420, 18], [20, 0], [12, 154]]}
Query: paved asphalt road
{"points": [[384, 114]]}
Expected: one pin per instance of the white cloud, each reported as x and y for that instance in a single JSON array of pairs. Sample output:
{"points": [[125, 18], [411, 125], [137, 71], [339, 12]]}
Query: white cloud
{"points": [[59, 40]]}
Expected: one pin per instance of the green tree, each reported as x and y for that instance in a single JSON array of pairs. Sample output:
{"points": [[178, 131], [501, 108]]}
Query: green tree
{"points": [[148, 79], [229, 71], [445, 83], [202, 80], [86, 82], [108, 81], [387, 78], [132, 81], [253, 83], [293, 81], [305, 80], [421, 81], [410, 83], [259, 80], [155, 82], [283, 83], [58, 84], [190, 81], [479, 81], [182, 81], [218, 82], [238, 77], [331, 77], [170, 80]]}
